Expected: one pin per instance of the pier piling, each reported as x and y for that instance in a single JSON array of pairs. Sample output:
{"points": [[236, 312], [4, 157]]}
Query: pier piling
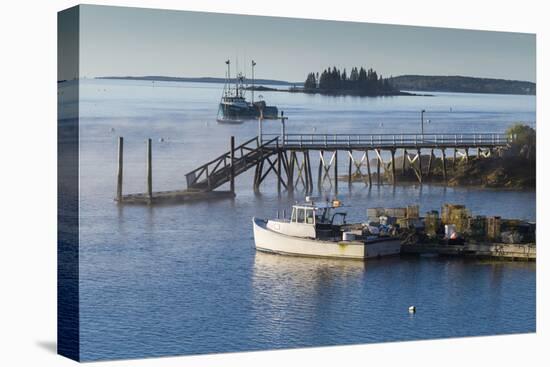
{"points": [[149, 171], [232, 162], [120, 168]]}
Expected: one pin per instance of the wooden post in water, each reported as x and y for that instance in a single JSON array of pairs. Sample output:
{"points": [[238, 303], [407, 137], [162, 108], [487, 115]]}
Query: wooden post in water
{"points": [[335, 171], [419, 164], [309, 173], [393, 165], [149, 171], [279, 176], [349, 167], [232, 170], [368, 167], [320, 172], [444, 164], [404, 162], [119, 171], [454, 159], [378, 168], [430, 163], [290, 172]]}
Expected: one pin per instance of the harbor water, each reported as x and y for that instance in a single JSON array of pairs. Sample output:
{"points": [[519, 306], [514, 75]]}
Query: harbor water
{"points": [[185, 279]]}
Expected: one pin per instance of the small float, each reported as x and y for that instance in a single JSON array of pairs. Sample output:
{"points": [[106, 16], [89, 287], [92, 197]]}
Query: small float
{"points": [[320, 230]]}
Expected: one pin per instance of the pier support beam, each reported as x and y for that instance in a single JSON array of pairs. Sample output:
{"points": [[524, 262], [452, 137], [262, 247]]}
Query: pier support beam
{"points": [[393, 166], [279, 176], [368, 167], [349, 166], [149, 171], [309, 180], [120, 168], [444, 160], [336, 172], [419, 165], [405, 158], [290, 172], [430, 162], [378, 167]]}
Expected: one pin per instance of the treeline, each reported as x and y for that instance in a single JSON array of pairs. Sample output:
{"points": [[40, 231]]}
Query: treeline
{"points": [[359, 81], [462, 84]]}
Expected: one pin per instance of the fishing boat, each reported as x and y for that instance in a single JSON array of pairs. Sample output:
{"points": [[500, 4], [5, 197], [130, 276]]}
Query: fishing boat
{"points": [[320, 230], [234, 106]]}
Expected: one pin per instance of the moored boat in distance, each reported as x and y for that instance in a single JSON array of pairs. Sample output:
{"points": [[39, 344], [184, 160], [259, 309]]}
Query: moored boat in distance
{"points": [[320, 230], [234, 106]]}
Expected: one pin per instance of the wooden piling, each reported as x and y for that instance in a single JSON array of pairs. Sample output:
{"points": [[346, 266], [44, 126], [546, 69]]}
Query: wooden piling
{"points": [[349, 167], [430, 162], [393, 166], [290, 172], [368, 167], [444, 158], [336, 171], [419, 151], [232, 160], [149, 170], [307, 163], [404, 162], [454, 158], [320, 175], [120, 168], [279, 178], [378, 167]]}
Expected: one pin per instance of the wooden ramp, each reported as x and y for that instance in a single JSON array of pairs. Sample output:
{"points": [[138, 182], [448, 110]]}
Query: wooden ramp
{"points": [[227, 166]]}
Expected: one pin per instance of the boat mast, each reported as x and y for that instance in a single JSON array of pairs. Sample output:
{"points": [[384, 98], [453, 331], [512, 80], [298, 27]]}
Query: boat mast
{"points": [[253, 64], [228, 63]]}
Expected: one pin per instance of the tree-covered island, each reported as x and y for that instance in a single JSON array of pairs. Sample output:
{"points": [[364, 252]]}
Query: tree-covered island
{"points": [[359, 81]]}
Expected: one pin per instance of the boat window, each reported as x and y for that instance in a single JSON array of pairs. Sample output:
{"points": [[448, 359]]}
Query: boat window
{"points": [[309, 216], [301, 215], [293, 216]]}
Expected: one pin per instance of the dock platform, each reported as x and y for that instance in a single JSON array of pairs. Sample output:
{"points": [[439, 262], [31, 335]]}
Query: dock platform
{"points": [[174, 197], [501, 251]]}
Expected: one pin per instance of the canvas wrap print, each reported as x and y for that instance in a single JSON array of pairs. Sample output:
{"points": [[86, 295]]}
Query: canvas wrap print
{"points": [[238, 183]]}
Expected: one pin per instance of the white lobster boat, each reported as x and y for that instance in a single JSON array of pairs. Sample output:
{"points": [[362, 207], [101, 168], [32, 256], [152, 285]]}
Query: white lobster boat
{"points": [[318, 230]]}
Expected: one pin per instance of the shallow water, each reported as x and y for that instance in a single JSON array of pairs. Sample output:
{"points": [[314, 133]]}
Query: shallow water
{"points": [[186, 279]]}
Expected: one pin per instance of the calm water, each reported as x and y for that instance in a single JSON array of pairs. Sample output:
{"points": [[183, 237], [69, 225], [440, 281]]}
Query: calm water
{"points": [[185, 279]]}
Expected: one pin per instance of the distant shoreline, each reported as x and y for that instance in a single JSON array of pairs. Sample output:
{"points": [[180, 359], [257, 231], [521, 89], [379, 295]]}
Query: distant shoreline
{"points": [[422, 83]]}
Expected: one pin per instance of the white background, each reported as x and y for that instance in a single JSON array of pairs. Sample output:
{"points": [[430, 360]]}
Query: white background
{"points": [[28, 182]]}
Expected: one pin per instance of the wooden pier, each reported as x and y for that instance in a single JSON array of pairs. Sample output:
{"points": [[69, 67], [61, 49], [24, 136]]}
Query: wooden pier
{"points": [[289, 157]]}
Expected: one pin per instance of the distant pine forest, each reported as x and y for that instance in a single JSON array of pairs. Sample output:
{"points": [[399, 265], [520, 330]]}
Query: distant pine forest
{"points": [[359, 81]]}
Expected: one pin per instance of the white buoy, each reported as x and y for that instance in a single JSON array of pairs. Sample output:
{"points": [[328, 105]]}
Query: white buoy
{"points": [[412, 309]]}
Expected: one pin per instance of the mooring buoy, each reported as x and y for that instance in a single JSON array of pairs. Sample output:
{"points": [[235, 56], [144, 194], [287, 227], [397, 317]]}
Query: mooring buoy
{"points": [[412, 309]]}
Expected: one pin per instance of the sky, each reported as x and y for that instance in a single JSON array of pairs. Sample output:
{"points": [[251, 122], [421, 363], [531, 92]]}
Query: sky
{"points": [[119, 41]]}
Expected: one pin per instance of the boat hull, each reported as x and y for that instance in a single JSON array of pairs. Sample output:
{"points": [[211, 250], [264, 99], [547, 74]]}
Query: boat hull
{"points": [[235, 112], [267, 240]]}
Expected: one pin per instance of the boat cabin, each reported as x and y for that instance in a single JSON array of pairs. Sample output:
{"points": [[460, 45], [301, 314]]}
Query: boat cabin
{"points": [[311, 220]]}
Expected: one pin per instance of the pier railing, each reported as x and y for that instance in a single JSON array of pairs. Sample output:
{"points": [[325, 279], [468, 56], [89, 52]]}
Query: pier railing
{"points": [[341, 141], [218, 171]]}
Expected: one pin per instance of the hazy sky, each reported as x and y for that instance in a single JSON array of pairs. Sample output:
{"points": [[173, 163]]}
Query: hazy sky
{"points": [[117, 41]]}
